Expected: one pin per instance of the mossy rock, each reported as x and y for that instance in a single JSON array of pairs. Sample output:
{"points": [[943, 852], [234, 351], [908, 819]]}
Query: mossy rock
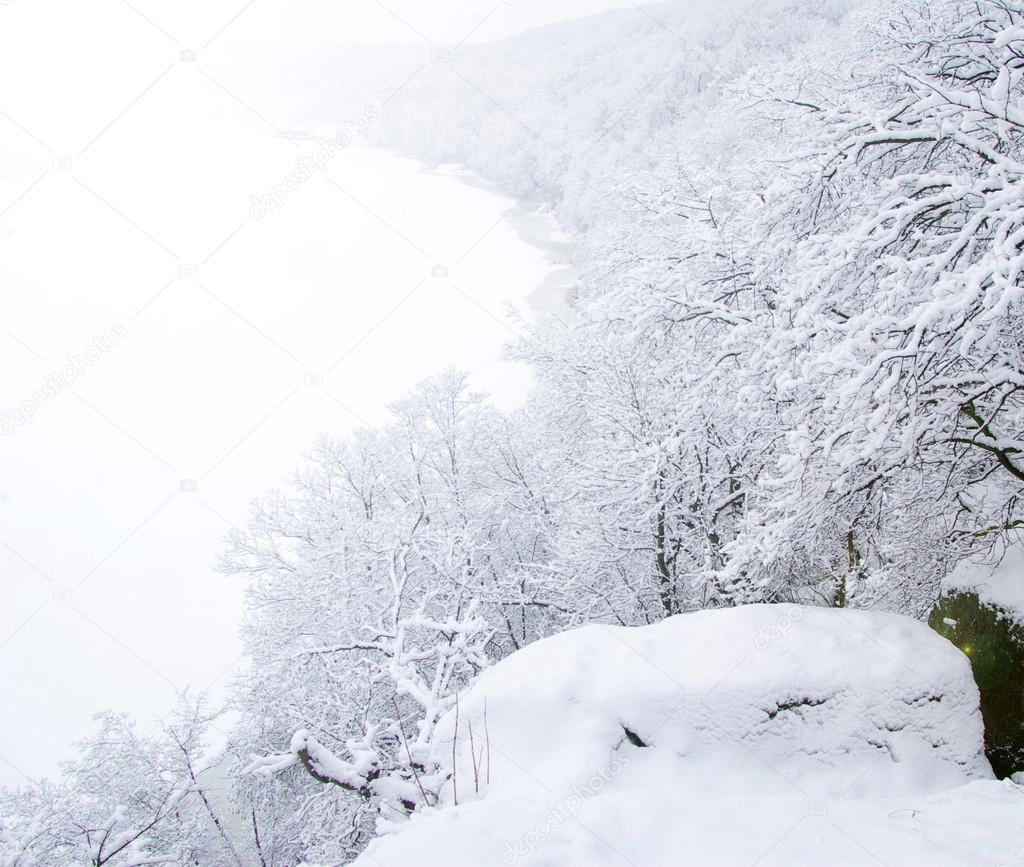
{"points": [[994, 643]]}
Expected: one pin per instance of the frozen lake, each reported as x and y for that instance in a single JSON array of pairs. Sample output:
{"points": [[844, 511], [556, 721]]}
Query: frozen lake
{"points": [[171, 344]]}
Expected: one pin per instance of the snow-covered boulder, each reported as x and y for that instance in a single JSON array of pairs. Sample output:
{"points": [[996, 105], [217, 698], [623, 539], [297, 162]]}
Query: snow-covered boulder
{"points": [[717, 737], [828, 700], [1000, 584]]}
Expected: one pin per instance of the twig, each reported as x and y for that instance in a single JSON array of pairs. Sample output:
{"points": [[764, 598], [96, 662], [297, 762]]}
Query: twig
{"points": [[408, 752], [455, 740], [256, 834], [472, 755]]}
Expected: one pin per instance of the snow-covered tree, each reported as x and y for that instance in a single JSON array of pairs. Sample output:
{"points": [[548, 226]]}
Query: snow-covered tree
{"points": [[894, 256], [127, 800], [401, 563]]}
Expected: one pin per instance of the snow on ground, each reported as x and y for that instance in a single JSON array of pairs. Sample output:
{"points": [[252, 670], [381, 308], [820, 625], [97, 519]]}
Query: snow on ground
{"points": [[1001, 584], [757, 735]]}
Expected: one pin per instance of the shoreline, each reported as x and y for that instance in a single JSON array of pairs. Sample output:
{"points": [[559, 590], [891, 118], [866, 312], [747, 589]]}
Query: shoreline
{"points": [[537, 227]]}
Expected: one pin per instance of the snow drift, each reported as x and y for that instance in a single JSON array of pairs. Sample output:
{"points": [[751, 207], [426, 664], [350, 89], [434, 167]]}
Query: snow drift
{"points": [[785, 733]]}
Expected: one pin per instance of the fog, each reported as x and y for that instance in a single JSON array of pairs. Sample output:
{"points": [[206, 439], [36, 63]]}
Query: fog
{"points": [[171, 347]]}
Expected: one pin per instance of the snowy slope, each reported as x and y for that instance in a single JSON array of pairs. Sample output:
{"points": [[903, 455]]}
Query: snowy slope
{"points": [[597, 107], [789, 734]]}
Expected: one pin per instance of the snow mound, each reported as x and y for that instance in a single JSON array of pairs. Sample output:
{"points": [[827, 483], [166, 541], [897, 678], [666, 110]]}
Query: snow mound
{"points": [[826, 700], [719, 737]]}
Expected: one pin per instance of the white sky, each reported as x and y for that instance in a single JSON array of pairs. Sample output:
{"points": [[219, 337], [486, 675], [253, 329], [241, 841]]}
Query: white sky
{"points": [[122, 165], [70, 67]]}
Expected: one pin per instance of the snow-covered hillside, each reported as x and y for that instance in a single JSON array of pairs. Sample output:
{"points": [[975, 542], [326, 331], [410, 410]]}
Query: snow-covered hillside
{"points": [[599, 114], [768, 734], [668, 611]]}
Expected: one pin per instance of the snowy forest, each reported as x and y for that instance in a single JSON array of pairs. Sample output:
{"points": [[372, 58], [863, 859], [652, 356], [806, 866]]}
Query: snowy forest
{"points": [[775, 430]]}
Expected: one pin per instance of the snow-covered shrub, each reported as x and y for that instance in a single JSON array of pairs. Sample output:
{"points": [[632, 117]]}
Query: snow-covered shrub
{"points": [[994, 642]]}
